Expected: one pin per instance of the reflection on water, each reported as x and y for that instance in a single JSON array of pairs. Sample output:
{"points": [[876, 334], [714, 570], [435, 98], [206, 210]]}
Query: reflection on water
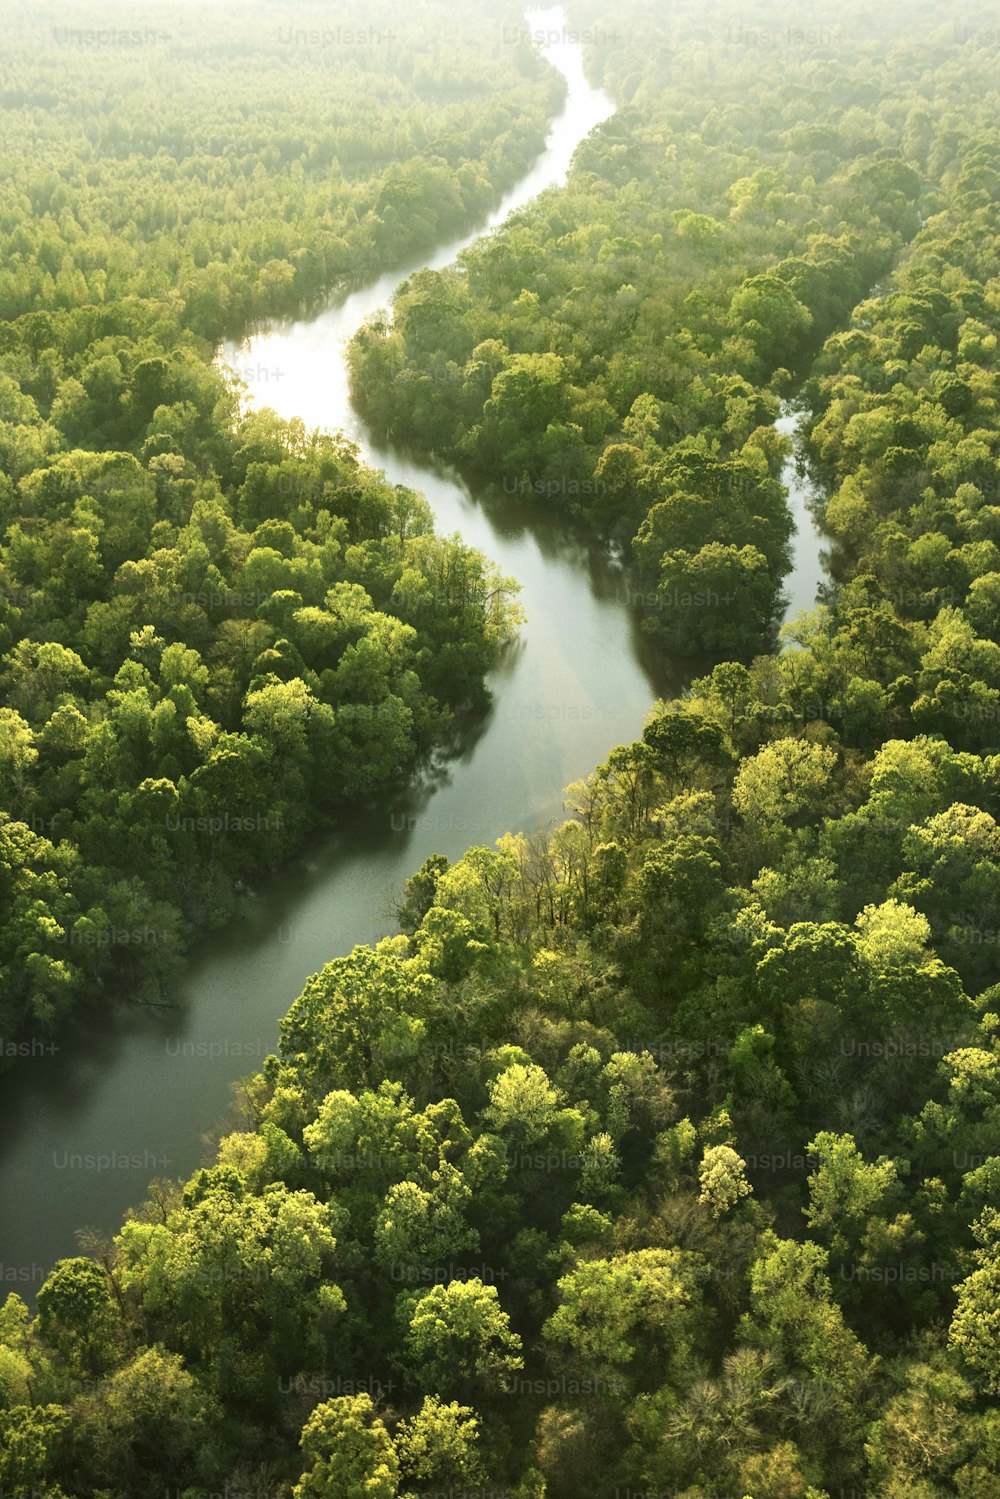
{"points": [[85, 1130], [809, 572]]}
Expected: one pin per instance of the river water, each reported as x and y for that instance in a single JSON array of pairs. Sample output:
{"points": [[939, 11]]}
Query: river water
{"points": [[83, 1131]]}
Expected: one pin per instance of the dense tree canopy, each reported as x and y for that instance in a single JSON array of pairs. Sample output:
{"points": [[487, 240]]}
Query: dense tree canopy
{"points": [[216, 628], [617, 352], [659, 1153]]}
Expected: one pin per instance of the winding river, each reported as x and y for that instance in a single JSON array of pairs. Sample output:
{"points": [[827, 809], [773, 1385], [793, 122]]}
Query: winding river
{"points": [[82, 1131]]}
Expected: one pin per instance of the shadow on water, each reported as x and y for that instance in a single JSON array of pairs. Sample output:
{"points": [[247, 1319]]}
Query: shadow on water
{"points": [[84, 1130]]}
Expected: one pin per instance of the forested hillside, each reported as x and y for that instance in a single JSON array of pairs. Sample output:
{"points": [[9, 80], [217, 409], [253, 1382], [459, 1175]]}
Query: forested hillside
{"points": [[215, 629], [658, 1154]]}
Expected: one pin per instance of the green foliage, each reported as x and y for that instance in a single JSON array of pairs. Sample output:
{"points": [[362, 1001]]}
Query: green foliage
{"points": [[437, 1446], [458, 1339], [349, 1453], [77, 1314], [216, 629], [659, 1152]]}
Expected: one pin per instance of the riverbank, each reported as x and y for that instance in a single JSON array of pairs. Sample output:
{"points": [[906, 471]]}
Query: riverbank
{"points": [[579, 682]]}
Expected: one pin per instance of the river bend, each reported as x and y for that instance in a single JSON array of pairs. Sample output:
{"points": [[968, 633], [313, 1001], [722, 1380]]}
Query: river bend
{"points": [[84, 1130]]}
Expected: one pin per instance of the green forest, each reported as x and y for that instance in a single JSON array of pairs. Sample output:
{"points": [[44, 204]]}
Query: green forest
{"points": [[216, 628], [659, 1152]]}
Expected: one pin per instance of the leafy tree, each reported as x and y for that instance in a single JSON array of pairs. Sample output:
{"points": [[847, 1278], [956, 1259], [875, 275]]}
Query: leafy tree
{"points": [[348, 1451], [974, 1328], [458, 1338], [437, 1448], [627, 1316], [77, 1314]]}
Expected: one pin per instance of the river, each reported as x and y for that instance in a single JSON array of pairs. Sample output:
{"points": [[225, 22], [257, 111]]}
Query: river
{"points": [[85, 1129]]}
